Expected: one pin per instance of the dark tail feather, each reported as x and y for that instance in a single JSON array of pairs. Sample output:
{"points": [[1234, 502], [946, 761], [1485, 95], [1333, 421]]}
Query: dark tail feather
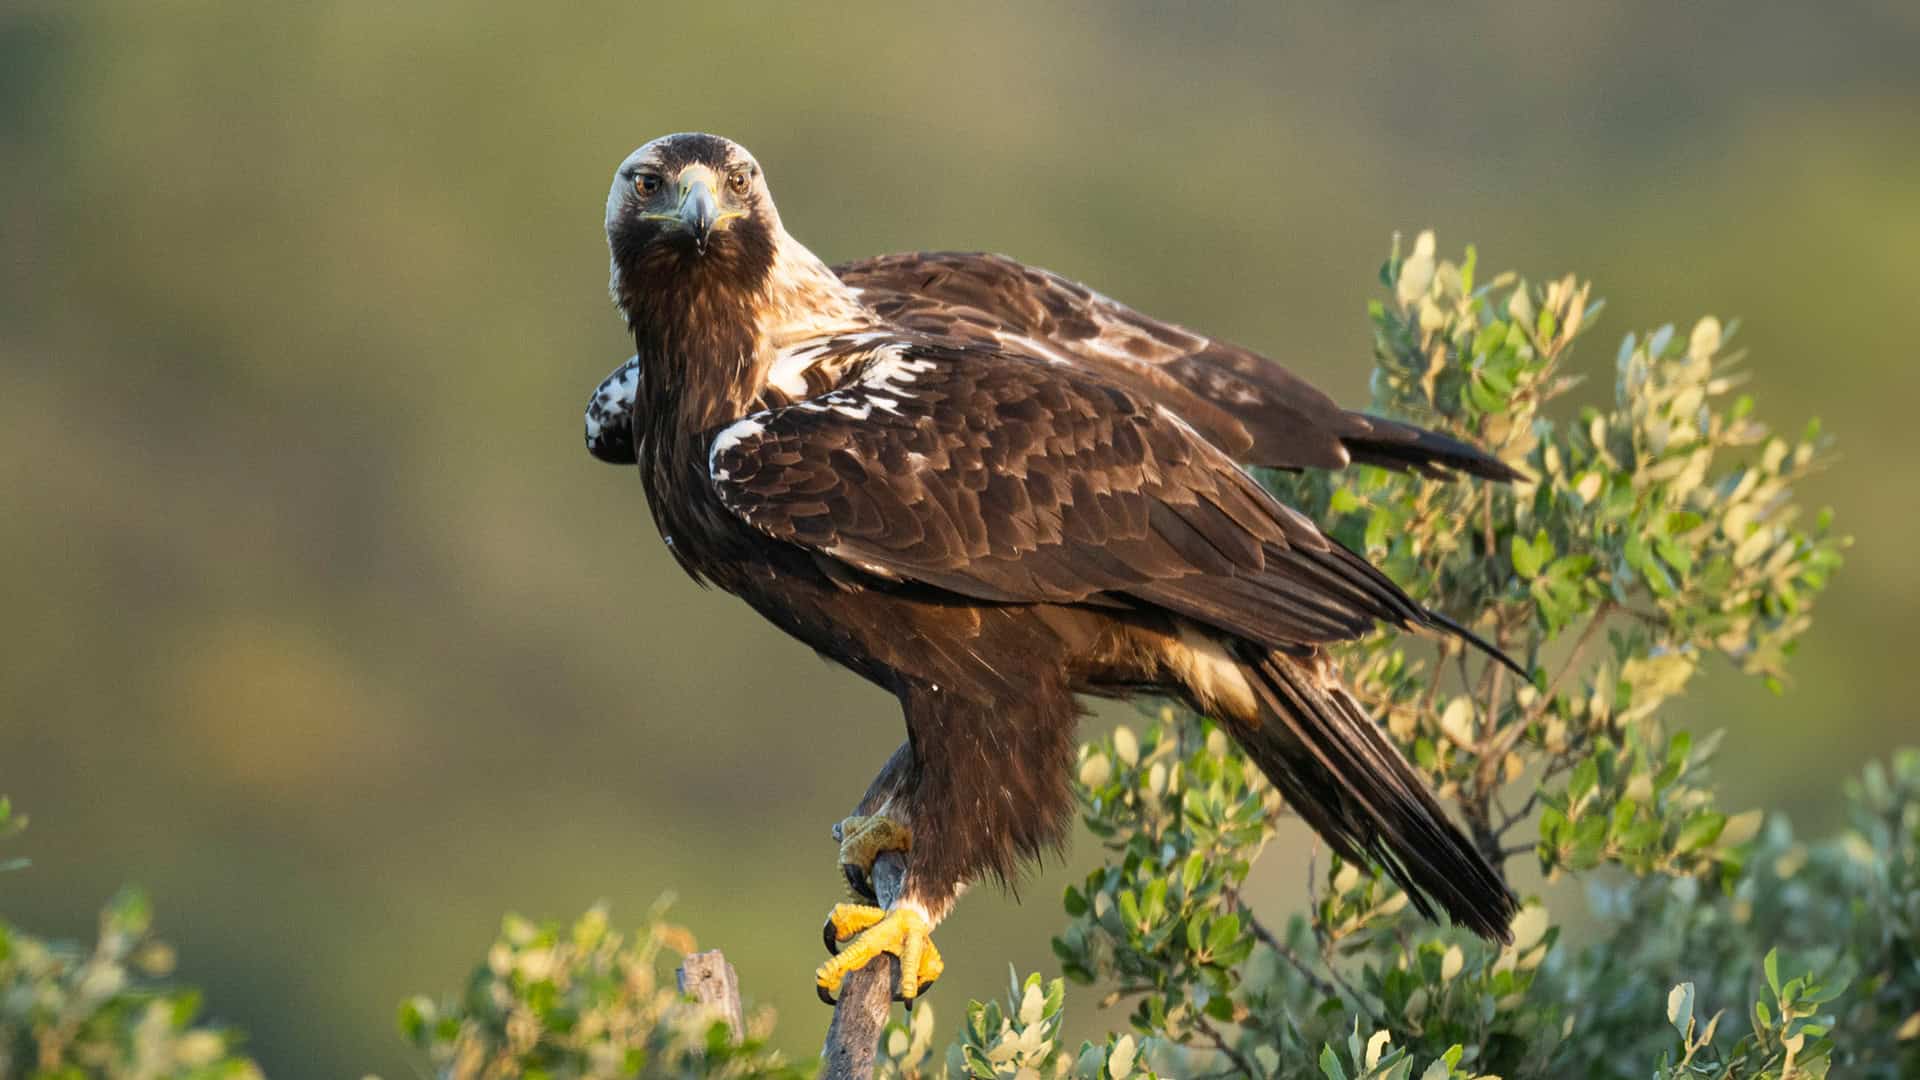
{"points": [[1393, 445], [1390, 604], [1341, 775], [1434, 618]]}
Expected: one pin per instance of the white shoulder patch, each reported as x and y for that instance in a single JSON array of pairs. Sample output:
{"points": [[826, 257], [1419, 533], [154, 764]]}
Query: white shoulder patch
{"points": [[731, 436], [834, 351], [894, 372], [789, 372]]}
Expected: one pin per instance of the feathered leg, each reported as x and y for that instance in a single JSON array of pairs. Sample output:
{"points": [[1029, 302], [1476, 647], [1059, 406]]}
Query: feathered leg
{"points": [[978, 791]]}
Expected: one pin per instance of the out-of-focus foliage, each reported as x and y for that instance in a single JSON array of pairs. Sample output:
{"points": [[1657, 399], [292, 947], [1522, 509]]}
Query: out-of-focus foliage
{"points": [[68, 1013], [1848, 908], [566, 1003]]}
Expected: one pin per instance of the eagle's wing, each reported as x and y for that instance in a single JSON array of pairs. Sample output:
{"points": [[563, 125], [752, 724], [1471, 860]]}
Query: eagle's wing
{"points": [[610, 415], [1251, 407], [1004, 478]]}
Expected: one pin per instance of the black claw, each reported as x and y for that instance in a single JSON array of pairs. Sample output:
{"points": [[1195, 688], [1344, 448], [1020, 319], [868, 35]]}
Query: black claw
{"points": [[859, 882], [908, 1002], [824, 996], [833, 943]]}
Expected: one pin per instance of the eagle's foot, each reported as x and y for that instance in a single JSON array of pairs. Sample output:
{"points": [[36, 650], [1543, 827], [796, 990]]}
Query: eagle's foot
{"points": [[862, 841], [857, 933]]}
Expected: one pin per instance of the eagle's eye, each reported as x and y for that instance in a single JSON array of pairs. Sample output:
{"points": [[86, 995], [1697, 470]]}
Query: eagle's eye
{"points": [[740, 181], [647, 183]]}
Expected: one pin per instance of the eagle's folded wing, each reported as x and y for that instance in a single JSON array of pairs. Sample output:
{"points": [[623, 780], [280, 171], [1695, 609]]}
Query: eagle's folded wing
{"points": [[1004, 478], [1248, 405]]}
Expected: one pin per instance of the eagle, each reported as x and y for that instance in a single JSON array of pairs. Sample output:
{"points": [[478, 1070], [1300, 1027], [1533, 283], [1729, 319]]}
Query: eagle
{"points": [[991, 491]]}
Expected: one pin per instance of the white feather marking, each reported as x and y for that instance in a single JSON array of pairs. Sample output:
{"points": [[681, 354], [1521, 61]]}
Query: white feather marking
{"points": [[893, 371], [612, 402], [931, 917], [789, 372], [731, 436], [1214, 677]]}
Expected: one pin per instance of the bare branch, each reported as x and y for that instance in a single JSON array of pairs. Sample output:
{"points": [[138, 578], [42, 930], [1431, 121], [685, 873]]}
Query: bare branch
{"points": [[1221, 1044], [1594, 623], [1267, 938], [710, 979], [866, 996]]}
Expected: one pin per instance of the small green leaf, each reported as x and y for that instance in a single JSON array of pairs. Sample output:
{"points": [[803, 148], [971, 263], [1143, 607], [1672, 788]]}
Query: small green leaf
{"points": [[1192, 872], [1526, 561], [1224, 932], [1680, 1009], [1701, 831]]}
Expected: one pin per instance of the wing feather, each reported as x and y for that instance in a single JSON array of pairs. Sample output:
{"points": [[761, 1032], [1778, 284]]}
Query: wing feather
{"points": [[1245, 404], [1005, 478]]}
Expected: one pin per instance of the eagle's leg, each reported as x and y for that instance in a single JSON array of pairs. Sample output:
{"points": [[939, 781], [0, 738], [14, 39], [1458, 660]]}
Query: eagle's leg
{"points": [[857, 933], [980, 788], [863, 839]]}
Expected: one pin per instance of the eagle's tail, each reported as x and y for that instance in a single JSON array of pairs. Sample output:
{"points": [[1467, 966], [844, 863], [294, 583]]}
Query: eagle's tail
{"points": [[1393, 445], [1353, 787]]}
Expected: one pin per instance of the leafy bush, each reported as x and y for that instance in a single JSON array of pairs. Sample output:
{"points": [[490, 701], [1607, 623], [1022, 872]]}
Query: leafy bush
{"points": [[68, 1013], [1659, 531], [582, 1002]]}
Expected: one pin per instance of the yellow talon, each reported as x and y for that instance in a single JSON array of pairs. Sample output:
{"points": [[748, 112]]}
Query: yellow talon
{"points": [[865, 839], [857, 933]]}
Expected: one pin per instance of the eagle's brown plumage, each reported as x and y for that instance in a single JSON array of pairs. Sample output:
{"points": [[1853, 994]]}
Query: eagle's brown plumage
{"points": [[1252, 408], [987, 489]]}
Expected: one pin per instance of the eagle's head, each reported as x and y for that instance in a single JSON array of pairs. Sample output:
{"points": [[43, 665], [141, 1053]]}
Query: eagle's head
{"points": [[688, 211]]}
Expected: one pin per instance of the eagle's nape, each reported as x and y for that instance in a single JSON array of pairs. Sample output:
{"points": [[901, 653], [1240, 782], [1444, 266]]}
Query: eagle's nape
{"points": [[989, 491]]}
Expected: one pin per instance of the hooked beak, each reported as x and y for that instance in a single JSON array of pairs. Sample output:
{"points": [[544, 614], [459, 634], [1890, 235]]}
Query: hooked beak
{"points": [[699, 207]]}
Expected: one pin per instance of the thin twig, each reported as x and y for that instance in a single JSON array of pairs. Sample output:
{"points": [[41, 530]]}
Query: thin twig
{"points": [[1508, 819], [1560, 763], [1325, 938], [1285, 952], [1220, 1043], [1600, 613], [1486, 518], [1346, 988]]}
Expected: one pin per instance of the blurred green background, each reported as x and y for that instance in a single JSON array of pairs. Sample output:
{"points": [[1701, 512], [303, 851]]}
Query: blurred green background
{"points": [[318, 621]]}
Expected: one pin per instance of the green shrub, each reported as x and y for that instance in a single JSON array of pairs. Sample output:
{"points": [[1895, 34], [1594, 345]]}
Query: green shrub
{"points": [[1660, 530], [581, 1001], [68, 1013]]}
